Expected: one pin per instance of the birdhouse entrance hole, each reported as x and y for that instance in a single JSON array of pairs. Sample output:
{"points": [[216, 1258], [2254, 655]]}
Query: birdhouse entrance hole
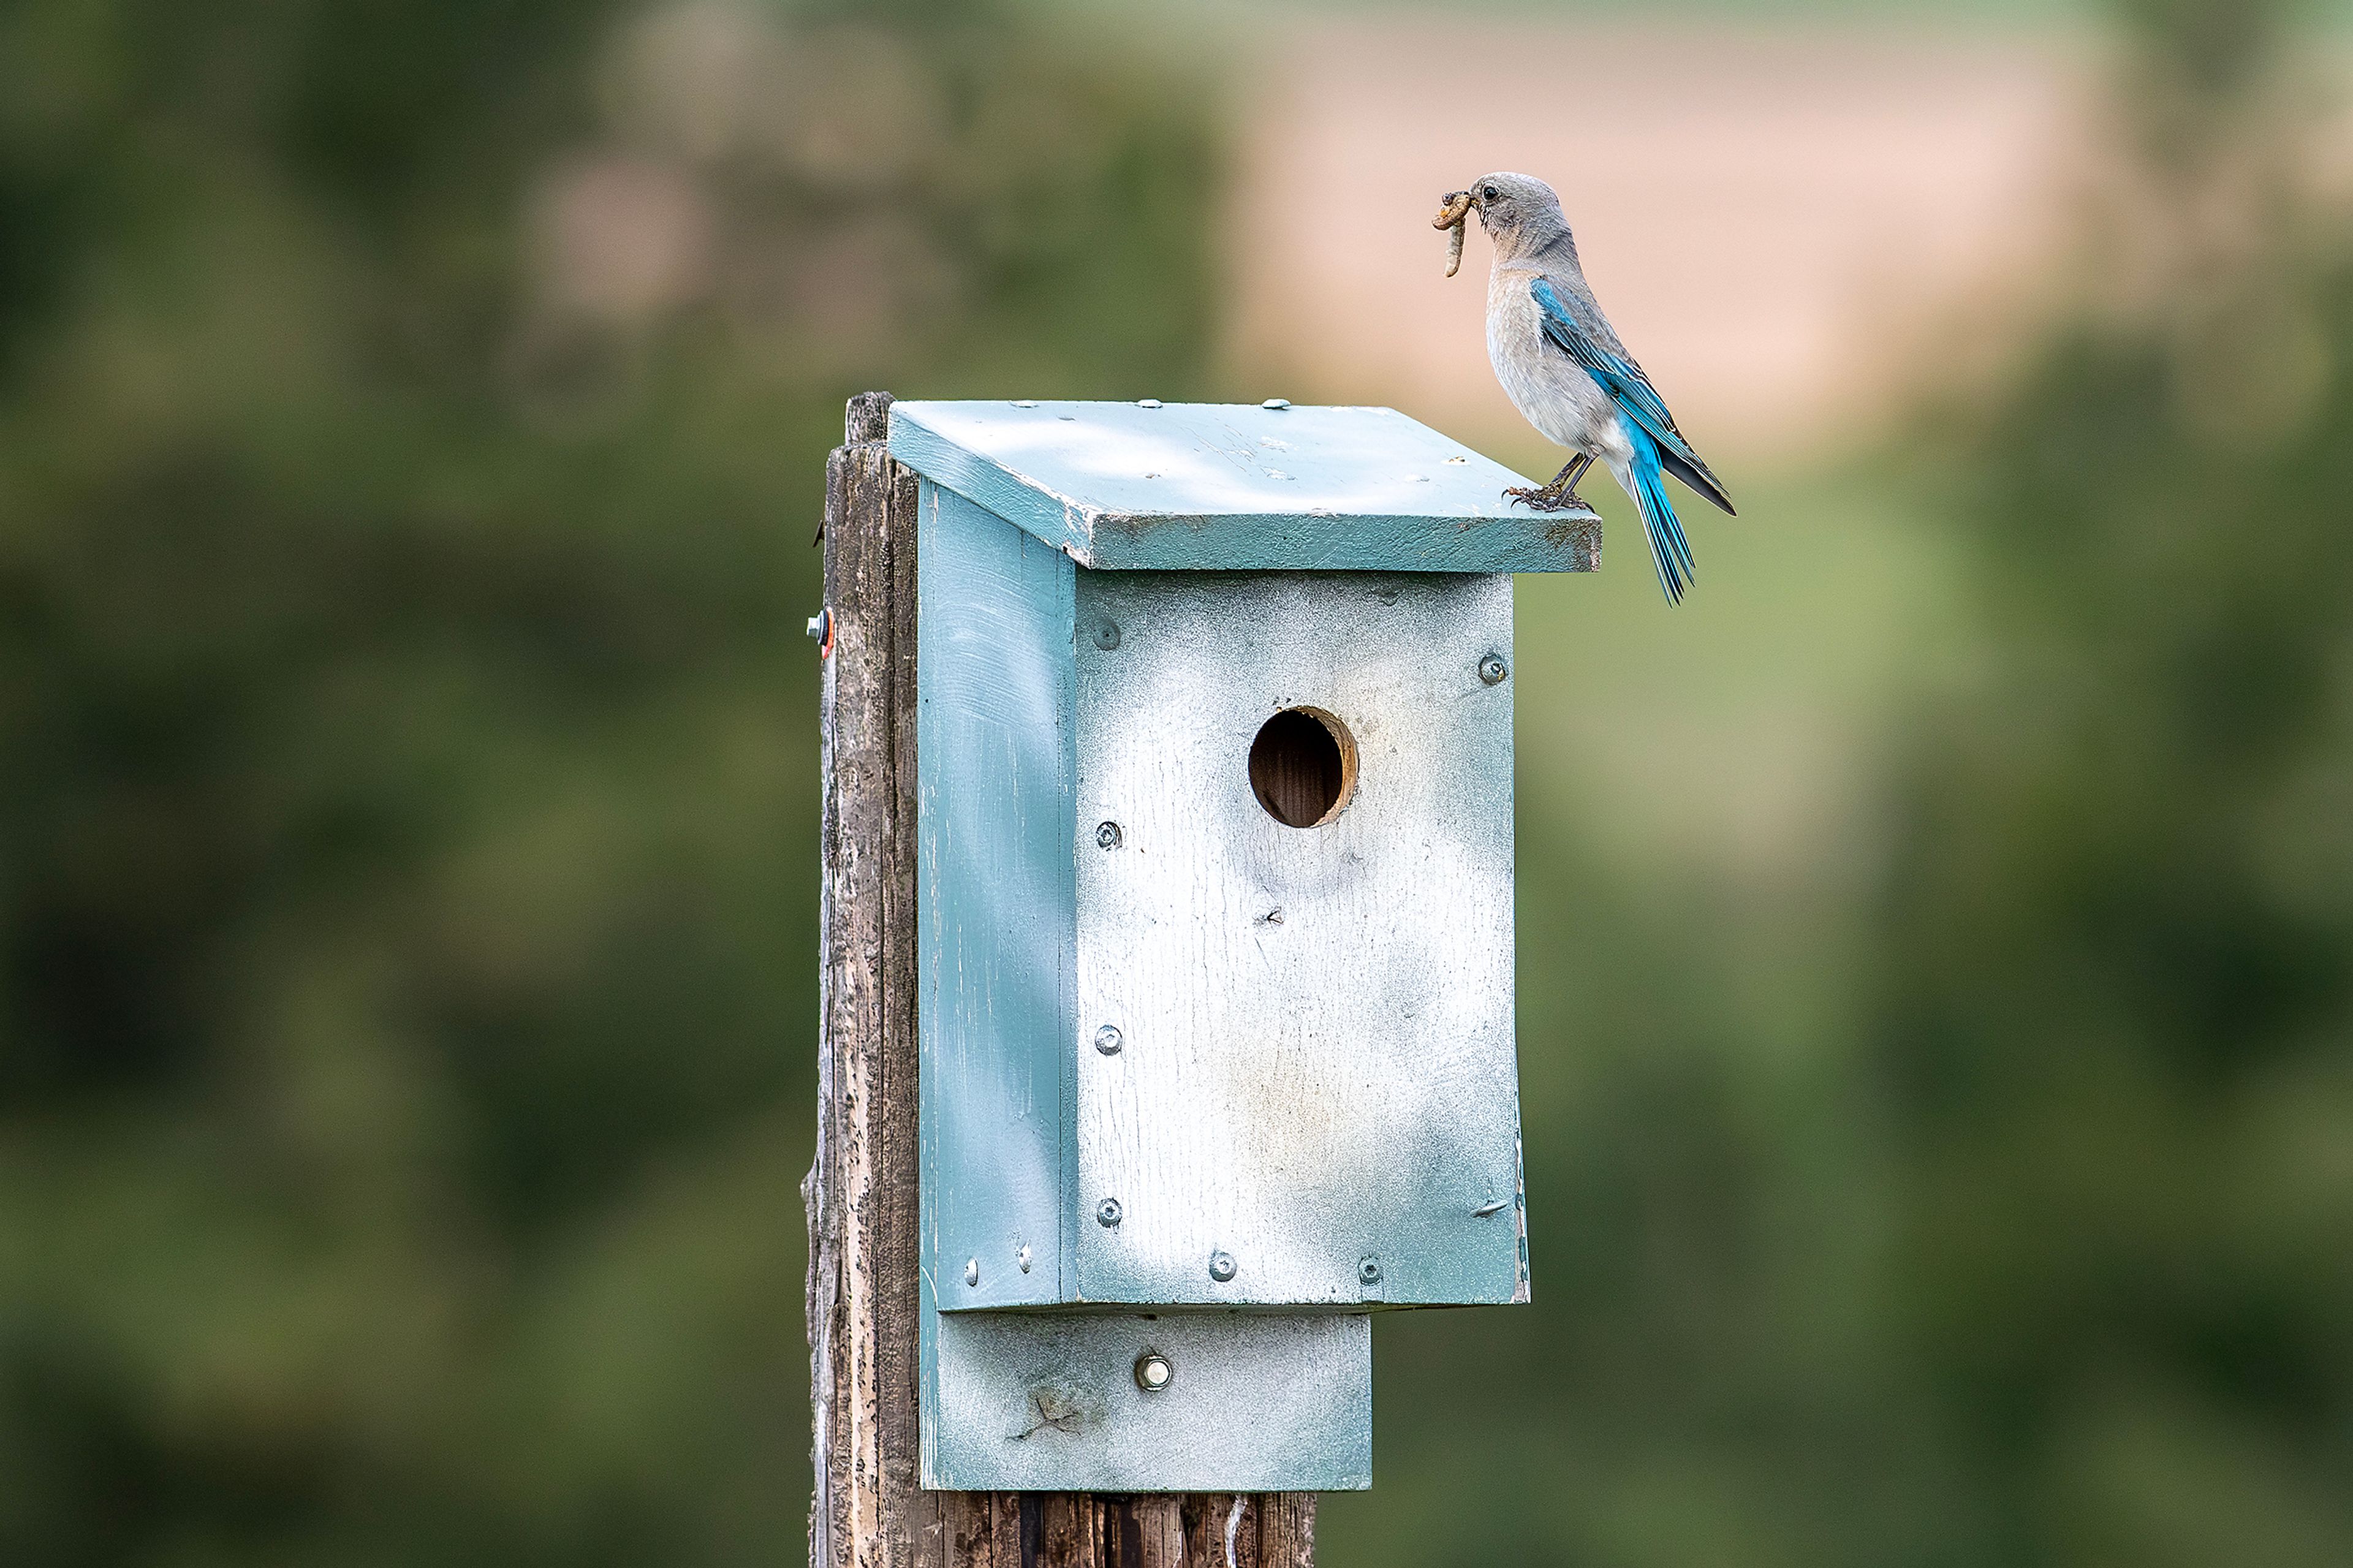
{"points": [[1302, 767]]}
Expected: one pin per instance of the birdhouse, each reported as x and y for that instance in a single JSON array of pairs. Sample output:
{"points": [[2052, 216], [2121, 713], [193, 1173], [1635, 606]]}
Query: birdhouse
{"points": [[1214, 942]]}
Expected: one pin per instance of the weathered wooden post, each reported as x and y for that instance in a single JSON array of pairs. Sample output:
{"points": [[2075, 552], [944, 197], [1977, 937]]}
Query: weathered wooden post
{"points": [[1296, 1113]]}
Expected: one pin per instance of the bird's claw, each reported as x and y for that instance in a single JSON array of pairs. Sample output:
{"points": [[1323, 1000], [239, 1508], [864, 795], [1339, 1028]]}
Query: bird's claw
{"points": [[1547, 499]]}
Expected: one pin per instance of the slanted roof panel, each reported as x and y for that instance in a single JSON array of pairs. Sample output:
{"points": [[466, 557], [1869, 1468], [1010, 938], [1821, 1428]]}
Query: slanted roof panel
{"points": [[1211, 485]]}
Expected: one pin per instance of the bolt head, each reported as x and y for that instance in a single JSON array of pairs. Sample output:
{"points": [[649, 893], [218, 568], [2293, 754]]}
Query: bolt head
{"points": [[1147, 403], [1108, 1213], [1106, 634], [1108, 835], [1369, 1272], [1024, 1257], [1153, 1372], [1222, 1267], [1491, 669], [971, 1271], [1276, 403], [1108, 1039]]}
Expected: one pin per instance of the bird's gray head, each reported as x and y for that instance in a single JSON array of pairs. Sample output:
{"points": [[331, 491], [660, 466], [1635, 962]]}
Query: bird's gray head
{"points": [[1521, 213]]}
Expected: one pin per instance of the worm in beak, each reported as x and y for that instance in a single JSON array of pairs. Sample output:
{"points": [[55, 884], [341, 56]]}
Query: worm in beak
{"points": [[1450, 219]]}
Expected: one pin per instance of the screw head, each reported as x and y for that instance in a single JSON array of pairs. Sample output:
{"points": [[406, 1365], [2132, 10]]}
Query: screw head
{"points": [[1024, 1258], [1106, 634], [1108, 1039], [1277, 403], [1108, 1212], [1369, 1272], [1108, 835], [1153, 1372], [1491, 669], [1147, 403], [1221, 1267], [971, 1271]]}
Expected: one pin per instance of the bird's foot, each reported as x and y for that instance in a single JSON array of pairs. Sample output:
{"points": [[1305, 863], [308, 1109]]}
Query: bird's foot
{"points": [[1547, 499]]}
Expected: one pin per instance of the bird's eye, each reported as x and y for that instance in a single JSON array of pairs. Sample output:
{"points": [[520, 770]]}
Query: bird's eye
{"points": [[1488, 193]]}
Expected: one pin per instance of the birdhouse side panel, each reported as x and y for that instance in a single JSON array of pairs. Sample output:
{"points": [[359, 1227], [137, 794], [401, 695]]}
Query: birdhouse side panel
{"points": [[994, 936]]}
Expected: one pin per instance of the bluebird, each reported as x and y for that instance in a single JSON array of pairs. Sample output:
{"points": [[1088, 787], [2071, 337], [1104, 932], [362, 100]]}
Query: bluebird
{"points": [[1565, 371]]}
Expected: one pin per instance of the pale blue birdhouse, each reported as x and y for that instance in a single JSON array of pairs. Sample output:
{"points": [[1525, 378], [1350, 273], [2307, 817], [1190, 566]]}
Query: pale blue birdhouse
{"points": [[1214, 773]]}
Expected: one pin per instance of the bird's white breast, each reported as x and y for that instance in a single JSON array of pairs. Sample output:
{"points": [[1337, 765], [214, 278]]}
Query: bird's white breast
{"points": [[1551, 391]]}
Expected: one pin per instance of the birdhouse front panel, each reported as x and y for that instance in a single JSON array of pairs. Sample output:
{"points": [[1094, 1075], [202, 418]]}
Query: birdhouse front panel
{"points": [[1294, 957]]}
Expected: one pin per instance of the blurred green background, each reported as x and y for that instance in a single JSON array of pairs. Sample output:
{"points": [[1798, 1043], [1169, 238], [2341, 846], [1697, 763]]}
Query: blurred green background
{"points": [[1937, 939]]}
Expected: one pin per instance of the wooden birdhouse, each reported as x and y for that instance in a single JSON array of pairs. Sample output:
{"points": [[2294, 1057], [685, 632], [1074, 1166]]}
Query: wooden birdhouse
{"points": [[1214, 942]]}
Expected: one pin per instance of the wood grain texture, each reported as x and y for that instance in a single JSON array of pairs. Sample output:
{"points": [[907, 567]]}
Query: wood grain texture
{"points": [[862, 1192]]}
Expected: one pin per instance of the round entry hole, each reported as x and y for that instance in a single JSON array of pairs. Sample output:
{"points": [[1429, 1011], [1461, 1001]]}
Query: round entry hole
{"points": [[1302, 767]]}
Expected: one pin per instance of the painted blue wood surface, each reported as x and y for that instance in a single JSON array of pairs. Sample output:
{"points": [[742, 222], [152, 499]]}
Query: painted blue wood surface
{"points": [[995, 939], [1197, 485]]}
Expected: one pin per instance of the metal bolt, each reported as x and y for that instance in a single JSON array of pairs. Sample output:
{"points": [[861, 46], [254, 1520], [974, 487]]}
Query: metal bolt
{"points": [[1107, 1039], [1106, 634], [1025, 403], [1108, 835], [1107, 1213], [820, 625], [1147, 403], [971, 1271], [1221, 1267], [1024, 1256], [1491, 669], [1276, 403], [1369, 1272], [1153, 1372]]}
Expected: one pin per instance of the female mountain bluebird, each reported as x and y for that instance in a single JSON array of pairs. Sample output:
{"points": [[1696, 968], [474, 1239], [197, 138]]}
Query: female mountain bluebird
{"points": [[1567, 374]]}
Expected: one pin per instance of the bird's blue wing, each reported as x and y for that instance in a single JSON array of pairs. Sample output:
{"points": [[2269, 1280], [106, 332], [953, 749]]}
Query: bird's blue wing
{"points": [[1631, 390]]}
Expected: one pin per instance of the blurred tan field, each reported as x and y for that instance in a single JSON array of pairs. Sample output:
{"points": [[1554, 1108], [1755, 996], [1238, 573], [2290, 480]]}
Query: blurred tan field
{"points": [[1779, 219]]}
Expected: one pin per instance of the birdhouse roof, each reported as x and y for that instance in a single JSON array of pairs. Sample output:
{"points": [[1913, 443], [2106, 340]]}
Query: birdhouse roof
{"points": [[1218, 486]]}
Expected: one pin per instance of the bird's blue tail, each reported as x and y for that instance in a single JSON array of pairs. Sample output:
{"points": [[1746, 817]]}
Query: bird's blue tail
{"points": [[1669, 551]]}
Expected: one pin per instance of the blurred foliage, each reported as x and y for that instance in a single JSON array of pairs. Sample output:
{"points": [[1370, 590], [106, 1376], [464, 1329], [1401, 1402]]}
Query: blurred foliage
{"points": [[2115, 1018], [412, 425]]}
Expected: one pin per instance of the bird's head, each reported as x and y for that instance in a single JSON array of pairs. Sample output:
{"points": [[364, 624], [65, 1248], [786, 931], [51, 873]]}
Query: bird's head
{"points": [[1520, 213]]}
